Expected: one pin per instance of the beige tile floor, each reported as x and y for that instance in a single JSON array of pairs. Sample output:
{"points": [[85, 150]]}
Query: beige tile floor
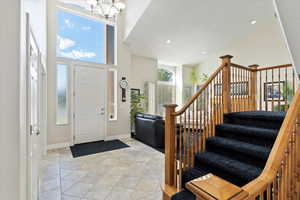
{"points": [[134, 173]]}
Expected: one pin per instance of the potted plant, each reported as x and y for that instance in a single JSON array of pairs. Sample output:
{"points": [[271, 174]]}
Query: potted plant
{"points": [[136, 106]]}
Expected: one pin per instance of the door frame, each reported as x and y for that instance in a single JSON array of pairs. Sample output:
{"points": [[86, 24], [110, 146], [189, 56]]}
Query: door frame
{"points": [[30, 38], [72, 66]]}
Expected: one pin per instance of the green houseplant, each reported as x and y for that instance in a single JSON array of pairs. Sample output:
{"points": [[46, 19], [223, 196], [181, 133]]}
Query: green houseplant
{"points": [[136, 106]]}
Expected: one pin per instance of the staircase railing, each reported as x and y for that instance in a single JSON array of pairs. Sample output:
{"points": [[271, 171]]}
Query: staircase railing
{"points": [[231, 88], [280, 180]]}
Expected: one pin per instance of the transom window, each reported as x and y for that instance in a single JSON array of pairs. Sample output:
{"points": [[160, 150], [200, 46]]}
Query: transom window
{"points": [[85, 39]]}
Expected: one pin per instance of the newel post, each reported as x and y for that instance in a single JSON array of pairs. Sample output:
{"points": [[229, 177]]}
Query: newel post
{"points": [[170, 128], [226, 83], [253, 87]]}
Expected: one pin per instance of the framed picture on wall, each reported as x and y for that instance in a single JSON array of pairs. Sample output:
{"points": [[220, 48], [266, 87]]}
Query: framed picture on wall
{"points": [[273, 91], [134, 91]]}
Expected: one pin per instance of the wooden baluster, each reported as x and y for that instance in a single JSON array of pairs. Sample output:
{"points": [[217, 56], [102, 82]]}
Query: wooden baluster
{"points": [[211, 110], [273, 90], [180, 151], [293, 81], [238, 94], [253, 87], [243, 89], [170, 145], [286, 90], [297, 160], [193, 134], [233, 96], [197, 126], [269, 192], [175, 155], [219, 98], [201, 122], [240, 97], [260, 91], [206, 115], [185, 142], [279, 100], [226, 60], [266, 95], [249, 105], [189, 137]]}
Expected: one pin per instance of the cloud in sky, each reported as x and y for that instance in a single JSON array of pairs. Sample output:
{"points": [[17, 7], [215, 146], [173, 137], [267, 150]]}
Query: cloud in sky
{"points": [[64, 43], [78, 54], [86, 28], [69, 24]]}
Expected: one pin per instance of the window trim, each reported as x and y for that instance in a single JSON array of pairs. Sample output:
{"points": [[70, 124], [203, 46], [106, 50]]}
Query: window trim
{"points": [[86, 14], [67, 94], [115, 94]]}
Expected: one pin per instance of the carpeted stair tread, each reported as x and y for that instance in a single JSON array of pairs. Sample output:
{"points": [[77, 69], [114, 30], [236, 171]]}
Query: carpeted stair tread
{"points": [[250, 134], [237, 149], [265, 115], [184, 195], [227, 168], [263, 119]]}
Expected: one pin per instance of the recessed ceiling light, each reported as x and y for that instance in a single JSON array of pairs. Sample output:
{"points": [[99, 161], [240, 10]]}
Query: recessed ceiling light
{"points": [[203, 52], [168, 42], [253, 22]]}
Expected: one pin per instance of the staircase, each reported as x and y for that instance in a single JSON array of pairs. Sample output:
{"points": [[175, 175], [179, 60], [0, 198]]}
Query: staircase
{"points": [[237, 138], [238, 152]]}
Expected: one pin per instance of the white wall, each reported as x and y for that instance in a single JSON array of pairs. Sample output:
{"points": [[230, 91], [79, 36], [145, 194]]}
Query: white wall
{"points": [[143, 70], [13, 93], [9, 99], [62, 134], [134, 10], [288, 13], [265, 47]]}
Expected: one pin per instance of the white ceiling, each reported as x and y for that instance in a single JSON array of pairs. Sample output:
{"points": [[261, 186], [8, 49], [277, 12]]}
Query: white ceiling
{"points": [[195, 26]]}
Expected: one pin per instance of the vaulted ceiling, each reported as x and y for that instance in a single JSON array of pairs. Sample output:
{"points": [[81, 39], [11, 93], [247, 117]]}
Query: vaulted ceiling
{"points": [[196, 26]]}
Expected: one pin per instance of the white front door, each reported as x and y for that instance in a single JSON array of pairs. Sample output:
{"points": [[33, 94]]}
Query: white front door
{"points": [[33, 76], [89, 104]]}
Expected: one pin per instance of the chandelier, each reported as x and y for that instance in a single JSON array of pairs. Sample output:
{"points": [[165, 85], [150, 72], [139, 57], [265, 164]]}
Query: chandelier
{"points": [[106, 8]]}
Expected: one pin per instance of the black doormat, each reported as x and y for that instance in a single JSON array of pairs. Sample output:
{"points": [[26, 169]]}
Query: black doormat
{"points": [[96, 147]]}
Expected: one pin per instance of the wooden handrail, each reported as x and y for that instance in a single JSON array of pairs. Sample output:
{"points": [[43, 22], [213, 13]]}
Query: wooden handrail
{"points": [[277, 154], [273, 67], [204, 86], [242, 67]]}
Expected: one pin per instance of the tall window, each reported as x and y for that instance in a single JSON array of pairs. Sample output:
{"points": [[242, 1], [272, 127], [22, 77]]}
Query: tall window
{"points": [[85, 39], [166, 88], [62, 111]]}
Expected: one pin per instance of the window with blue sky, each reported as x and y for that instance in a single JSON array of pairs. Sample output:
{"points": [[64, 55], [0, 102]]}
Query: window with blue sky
{"points": [[80, 38]]}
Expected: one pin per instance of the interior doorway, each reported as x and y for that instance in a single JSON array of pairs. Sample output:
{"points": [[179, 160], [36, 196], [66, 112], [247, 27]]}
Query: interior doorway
{"points": [[33, 114], [90, 110]]}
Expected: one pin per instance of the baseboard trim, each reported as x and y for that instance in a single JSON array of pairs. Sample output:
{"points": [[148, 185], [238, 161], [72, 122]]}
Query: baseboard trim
{"points": [[116, 137], [57, 146]]}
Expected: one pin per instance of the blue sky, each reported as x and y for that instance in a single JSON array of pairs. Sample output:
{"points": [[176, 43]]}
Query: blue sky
{"points": [[80, 38]]}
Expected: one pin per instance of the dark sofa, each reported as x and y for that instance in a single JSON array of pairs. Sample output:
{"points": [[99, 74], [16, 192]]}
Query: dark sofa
{"points": [[150, 129]]}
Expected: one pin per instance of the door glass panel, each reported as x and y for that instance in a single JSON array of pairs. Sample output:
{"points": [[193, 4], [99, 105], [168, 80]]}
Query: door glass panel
{"points": [[112, 94], [62, 112]]}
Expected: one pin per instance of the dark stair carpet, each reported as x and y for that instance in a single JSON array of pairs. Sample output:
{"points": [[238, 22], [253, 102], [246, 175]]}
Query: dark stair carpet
{"points": [[238, 152]]}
